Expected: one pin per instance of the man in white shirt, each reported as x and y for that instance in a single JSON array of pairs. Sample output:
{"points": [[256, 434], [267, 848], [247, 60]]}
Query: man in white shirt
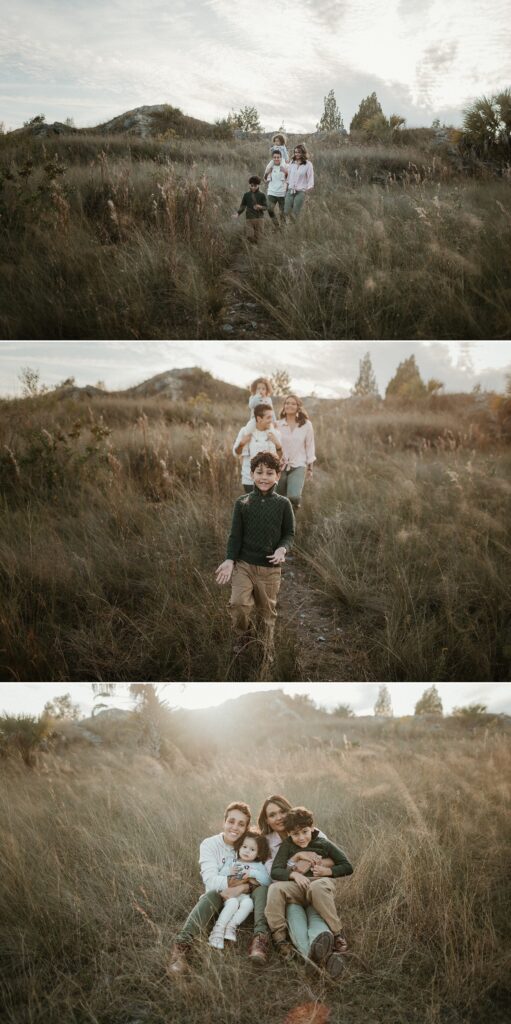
{"points": [[214, 853], [262, 439], [276, 175]]}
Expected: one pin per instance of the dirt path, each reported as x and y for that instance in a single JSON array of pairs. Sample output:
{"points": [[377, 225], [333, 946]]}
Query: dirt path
{"points": [[316, 624], [240, 315]]}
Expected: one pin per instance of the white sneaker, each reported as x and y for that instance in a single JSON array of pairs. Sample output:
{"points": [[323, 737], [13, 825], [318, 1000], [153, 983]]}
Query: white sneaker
{"points": [[216, 940], [230, 933]]}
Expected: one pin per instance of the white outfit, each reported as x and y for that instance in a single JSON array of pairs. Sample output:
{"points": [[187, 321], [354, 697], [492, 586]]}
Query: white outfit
{"points": [[298, 444], [216, 859], [238, 908], [252, 402], [258, 443], [277, 184]]}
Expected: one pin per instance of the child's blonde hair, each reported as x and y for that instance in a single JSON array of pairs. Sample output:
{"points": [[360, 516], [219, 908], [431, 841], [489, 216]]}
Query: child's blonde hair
{"points": [[261, 380], [280, 138]]}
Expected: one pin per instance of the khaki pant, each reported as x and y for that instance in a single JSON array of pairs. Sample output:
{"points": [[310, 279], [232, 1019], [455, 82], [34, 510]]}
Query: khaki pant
{"points": [[320, 895], [254, 589], [254, 228]]}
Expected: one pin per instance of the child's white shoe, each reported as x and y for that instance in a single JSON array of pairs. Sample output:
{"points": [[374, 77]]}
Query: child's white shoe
{"points": [[230, 933], [216, 940]]}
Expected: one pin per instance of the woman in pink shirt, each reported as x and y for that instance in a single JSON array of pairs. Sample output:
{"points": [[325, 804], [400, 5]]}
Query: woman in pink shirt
{"points": [[300, 180], [298, 456]]}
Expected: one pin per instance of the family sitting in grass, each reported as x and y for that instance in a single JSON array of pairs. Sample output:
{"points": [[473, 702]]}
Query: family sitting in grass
{"points": [[288, 183], [276, 457], [283, 873]]}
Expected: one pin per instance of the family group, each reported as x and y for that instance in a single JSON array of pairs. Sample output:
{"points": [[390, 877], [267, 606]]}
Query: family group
{"points": [[283, 873], [288, 183], [277, 455]]}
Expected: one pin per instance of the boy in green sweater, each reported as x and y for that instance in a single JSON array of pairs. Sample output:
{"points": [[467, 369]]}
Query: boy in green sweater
{"points": [[262, 532], [310, 883], [253, 203]]}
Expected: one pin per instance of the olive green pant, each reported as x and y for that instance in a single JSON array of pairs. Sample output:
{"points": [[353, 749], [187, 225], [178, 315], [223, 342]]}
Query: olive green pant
{"points": [[291, 484], [209, 907]]}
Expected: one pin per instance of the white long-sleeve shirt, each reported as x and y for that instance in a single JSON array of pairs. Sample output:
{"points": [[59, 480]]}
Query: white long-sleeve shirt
{"points": [[300, 176], [215, 855], [297, 444]]}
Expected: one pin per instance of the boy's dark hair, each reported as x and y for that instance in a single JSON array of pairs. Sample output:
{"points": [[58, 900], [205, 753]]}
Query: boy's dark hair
{"points": [[263, 850], [238, 806], [298, 817], [265, 459], [259, 410], [261, 380], [254, 180], [276, 151]]}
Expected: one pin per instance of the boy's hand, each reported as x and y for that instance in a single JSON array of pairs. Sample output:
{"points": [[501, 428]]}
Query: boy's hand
{"points": [[310, 855], [301, 881], [278, 556], [321, 871], [224, 571], [303, 866]]}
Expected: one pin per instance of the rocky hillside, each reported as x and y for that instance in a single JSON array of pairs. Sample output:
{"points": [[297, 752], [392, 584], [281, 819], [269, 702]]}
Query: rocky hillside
{"points": [[187, 383], [159, 119]]}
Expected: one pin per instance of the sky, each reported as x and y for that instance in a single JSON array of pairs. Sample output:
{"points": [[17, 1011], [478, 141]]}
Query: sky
{"points": [[94, 59], [330, 368], [30, 698]]}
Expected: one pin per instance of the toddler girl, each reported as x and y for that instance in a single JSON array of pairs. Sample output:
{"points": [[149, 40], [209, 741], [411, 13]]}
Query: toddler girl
{"points": [[260, 394], [252, 851], [279, 142]]}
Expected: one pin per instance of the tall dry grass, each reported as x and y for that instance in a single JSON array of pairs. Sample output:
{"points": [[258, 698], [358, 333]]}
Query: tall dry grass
{"points": [[125, 238], [99, 869], [114, 516]]}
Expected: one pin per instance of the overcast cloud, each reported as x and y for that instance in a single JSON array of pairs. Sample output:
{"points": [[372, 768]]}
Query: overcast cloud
{"points": [[328, 367], [93, 59]]}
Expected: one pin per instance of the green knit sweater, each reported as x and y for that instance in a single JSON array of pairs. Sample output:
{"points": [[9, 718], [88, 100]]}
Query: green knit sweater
{"points": [[261, 523], [287, 849]]}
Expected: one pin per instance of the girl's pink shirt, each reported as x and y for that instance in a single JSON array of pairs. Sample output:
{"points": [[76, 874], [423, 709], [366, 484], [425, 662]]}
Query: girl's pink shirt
{"points": [[298, 444], [300, 176]]}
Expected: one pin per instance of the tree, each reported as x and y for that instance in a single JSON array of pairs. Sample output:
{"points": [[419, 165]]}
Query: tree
{"points": [[383, 703], [24, 735], [366, 383], [331, 120], [430, 703], [470, 709], [344, 711], [434, 386], [62, 707], [31, 382], [246, 119], [407, 382], [487, 124], [38, 119], [281, 383], [370, 107]]}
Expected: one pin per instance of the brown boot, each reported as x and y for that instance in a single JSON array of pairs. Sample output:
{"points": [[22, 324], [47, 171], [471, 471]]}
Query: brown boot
{"points": [[259, 949], [178, 960], [334, 965]]}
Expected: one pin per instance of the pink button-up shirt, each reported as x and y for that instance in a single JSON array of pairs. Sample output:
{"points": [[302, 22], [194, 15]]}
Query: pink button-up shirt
{"points": [[297, 444], [300, 176]]}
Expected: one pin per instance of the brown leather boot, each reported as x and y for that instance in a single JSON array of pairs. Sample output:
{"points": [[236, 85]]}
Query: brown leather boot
{"points": [[259, 949], [178, 959]]}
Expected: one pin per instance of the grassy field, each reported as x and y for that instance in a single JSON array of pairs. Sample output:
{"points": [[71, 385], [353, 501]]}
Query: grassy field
{"points": [[99, 848], [115, 513], [116, 237]]}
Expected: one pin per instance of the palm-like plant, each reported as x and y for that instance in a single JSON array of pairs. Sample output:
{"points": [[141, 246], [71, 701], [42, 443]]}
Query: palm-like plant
{"points": [[487, 123], [23, 734]]}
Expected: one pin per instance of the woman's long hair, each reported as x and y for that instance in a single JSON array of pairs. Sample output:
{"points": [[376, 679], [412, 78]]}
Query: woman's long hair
{"points": [[262, 820], [304, 153], [301, 414]]}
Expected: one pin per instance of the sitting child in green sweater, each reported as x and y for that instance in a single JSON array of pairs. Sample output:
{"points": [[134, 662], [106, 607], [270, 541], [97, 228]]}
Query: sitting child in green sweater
{"points": [[262, 532], [315, 885]]}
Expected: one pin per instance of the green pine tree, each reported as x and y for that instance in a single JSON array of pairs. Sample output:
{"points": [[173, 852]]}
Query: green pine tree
{"points": [[331, 119], [370, 107], [365, 385], [407, 382], [430, 703]]}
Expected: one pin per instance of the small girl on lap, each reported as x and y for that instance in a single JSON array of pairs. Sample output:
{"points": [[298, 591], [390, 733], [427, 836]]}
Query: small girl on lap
{"points": [[252, 851]]}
